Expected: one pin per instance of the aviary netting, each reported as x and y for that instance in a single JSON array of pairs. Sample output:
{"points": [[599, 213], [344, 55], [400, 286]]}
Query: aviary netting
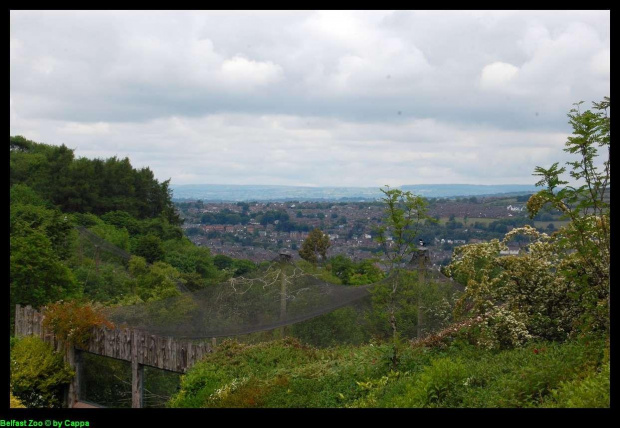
{"points": [[281, 294]]}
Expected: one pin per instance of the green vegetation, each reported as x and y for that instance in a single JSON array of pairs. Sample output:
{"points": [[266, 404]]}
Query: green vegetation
{"points": [[560, 286], [88, 185], [86, 231], [52, 194], [287, 373], [314, 248], [38, 374], [15, 403], [351, 273], [398, 298]]}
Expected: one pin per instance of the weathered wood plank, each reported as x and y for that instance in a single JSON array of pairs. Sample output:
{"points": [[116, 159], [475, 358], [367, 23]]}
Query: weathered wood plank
{"points": [[70, 358], [17, 320], [162, 352], [137, 376]]}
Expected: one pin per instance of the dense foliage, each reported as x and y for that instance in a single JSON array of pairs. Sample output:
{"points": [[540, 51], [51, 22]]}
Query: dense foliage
{"points": [[315, 246], [38, 374], [352, 273], [72, 322], [15, 403], [88, 185], [75, 224], [289, 374]]}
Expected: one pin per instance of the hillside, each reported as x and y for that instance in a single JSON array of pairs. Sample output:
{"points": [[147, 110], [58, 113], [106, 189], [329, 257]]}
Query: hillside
{"points": [[230, 192]]}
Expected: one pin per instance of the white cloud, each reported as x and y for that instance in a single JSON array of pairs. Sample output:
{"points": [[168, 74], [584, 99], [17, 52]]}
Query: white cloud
{"points": [[285, 149], [85, 128], [242, 73], [601, 62], [498, 75], [297, 97]]}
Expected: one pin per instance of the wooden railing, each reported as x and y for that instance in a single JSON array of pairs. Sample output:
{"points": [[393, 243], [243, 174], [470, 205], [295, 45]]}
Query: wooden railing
{"points": [[138, 347]]}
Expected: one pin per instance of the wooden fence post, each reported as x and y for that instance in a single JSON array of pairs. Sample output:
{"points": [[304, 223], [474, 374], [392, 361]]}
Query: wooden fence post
{"points": [[73, 359], [18, 318], [137, 374]]}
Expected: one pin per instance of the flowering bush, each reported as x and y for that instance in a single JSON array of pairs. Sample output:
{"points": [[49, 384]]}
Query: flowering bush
{"points": [[503, 330], [560, 283], [521, 297], [73, 322]]}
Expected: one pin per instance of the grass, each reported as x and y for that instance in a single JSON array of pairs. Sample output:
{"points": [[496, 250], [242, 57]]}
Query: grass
{"points": [[470, 220], [487, 220]]}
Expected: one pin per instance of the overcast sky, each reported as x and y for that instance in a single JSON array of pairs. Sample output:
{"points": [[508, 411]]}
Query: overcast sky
{"points": [[310, 98]]}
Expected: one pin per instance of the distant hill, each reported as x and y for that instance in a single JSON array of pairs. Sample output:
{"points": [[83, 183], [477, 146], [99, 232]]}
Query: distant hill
{"points": [[454, 190], [233, 192]]}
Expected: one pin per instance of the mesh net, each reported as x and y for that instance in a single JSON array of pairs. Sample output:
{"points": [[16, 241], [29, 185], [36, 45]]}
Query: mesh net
{"points": [[101, 244], [285, 293], [278, 295]]}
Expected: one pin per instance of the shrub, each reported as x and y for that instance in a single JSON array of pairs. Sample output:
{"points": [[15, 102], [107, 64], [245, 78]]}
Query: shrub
{"points": [[338, 327], [38, 374], [525, 377], [503, 329], [72, 322], [439, 385], [592, 391], [15, 403]]}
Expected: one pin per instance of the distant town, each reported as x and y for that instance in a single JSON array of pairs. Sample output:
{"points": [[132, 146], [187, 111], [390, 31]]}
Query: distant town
{"points": [[257, 231]]}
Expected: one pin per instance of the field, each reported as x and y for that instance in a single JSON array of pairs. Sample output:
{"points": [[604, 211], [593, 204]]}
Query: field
{"points": [[485, 220]]}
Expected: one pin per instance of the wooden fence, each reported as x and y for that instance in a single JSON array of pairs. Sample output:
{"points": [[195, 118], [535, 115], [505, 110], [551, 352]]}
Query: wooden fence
{"points": [[138, 347]]}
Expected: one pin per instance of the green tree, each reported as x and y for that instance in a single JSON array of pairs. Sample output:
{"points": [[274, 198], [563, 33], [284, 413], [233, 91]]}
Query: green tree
{"points": [[404, 215], [116, 236], [58, 227], [89, 185], [243, 266], [37, 275], [22, 194], [188, 258], [342, 267], [150, 247], [366, 273], [315, 246], [586, 205], [123, 219], [222, 262], [154, 282]]}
